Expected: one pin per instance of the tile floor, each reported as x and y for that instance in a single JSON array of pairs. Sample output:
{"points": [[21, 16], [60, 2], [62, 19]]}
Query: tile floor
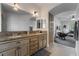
{"points": [[61, 50]]}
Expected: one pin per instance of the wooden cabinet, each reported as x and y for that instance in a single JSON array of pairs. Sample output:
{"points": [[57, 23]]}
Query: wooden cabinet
{"points": [[37, 42], [34, 46], [7, 45], [1, 54], [44, 40], [23, 51], [23, 46], [18, 48], [40, 41], [11, 52]]}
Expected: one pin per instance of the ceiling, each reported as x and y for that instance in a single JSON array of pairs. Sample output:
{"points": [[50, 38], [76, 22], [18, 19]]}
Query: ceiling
{"points": [[9, 9], [62, 11], [65, 11], [66, 16], [48, 5], [64, 7]]}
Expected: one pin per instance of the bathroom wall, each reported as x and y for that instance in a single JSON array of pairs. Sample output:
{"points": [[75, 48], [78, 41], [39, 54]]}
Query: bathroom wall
{"points": [[69, 24], [57, 22]]}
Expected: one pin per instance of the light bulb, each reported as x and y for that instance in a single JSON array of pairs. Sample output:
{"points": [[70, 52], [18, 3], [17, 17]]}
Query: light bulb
{"points": [[73, 19], [35, 14], [16, 9]]}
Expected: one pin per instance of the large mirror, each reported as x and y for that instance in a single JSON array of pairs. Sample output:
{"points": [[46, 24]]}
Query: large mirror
{"points": [[15, 20]]}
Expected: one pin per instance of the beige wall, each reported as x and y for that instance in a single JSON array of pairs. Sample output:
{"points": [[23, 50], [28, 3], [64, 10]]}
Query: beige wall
{"points": [[44, 14]]}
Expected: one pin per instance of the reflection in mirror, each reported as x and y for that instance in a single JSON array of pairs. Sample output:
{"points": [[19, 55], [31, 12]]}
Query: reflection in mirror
{"points": [[41, 23], [38, 24], [15, 20]]}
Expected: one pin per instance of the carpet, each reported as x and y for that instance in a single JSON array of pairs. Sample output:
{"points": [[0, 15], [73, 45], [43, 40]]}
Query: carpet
{"points": [[70, 41]]}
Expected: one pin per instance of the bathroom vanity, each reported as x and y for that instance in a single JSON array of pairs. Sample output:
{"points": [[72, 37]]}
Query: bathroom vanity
{"points": [[21, 43]]}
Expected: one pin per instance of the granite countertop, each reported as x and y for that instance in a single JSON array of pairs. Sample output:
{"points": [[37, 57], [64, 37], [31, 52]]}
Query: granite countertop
{"points": [[18, 36]]}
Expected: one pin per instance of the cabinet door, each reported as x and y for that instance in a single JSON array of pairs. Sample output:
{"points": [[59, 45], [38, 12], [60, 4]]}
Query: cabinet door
{"points": [[24, 50], [7, 46], [44, 41], [40, 42], [11, 52], [1, 54], [34, 45]]}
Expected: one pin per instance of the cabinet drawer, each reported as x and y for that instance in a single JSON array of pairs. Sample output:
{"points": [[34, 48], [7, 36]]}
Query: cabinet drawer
{"points": [[41, 37], [7, 46], [34, 47], [23, 41], [33, 51], [40, 44], [11, 52], [45, 36], [34, 42], [24, 50], [44, 43], [1, 54], [33, 39]]}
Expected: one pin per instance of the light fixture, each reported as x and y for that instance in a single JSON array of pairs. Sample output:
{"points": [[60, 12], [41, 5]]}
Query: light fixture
{"points": [[35, 13], [15, 7], [73, 17]]}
